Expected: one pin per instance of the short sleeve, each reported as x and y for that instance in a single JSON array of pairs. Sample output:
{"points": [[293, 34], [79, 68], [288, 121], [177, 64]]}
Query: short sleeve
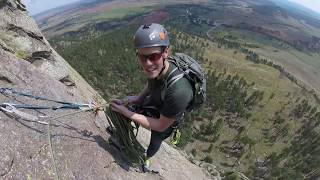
{"points": [[177, 99]]}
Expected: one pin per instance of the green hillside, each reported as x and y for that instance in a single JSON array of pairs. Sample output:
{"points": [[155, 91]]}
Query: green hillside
{"points": [[259, 119], [252, 111]]}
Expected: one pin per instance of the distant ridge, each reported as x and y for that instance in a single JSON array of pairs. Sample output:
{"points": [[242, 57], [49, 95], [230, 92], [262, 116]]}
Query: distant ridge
{"points": [[69, 7], [288, 5]]}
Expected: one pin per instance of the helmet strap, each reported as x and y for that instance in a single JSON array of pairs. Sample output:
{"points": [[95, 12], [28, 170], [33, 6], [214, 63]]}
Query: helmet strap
{"points": [[164, 66]]}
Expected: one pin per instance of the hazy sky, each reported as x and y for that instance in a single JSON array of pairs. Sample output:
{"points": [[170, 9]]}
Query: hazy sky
{"points": [[312, 4], [37, 6]]}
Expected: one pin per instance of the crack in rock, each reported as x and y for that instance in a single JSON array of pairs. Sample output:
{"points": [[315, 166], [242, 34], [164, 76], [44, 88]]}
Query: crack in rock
{"points": [[5, 47], [21, 31], [41, 149], [20, 6], [5, 79], [67, 81], [40, 55], [15, 4], [8, 169]]}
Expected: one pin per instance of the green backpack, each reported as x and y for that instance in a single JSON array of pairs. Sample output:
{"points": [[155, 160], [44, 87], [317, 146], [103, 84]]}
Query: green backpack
{"points": [[191, 69]]}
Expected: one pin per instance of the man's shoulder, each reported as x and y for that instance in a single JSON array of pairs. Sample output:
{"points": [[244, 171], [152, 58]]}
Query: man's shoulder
{"points": [[182, 83], [177, 98], [180, 88]]}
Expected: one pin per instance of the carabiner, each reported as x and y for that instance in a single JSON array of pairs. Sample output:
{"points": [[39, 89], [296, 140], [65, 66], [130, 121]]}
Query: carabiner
{"points": [[10, 109]]}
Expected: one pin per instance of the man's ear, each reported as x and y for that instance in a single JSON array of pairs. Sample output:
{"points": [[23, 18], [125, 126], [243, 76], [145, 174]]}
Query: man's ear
{"points": [[166, 52], [139, 63]]}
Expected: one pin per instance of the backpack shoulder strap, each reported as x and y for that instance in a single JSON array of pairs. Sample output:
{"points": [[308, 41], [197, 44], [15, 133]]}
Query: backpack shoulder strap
{"points": [[172, 78]]}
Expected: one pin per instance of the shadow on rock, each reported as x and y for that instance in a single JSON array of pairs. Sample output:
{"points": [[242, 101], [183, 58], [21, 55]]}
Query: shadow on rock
{"points": [[114, 151]]}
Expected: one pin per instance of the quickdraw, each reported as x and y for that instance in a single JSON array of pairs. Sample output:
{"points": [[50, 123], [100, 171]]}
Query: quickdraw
{"points": [[11, 108]]}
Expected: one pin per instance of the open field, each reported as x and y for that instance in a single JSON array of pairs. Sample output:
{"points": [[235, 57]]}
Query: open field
{"points": [[304, 66], [75, 19]]}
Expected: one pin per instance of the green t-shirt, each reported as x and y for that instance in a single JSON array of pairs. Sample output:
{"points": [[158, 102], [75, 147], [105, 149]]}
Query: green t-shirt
{"points": [[176, 98]]}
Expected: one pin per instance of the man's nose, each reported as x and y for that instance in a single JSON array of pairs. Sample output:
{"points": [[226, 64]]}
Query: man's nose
{"points": [[147, 61]]}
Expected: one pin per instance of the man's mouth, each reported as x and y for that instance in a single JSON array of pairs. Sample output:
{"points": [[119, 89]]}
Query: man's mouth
{"points": [[151, 69]]}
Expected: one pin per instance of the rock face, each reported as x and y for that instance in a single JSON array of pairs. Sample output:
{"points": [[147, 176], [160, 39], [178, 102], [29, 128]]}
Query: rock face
{"points": [[78, 147]]}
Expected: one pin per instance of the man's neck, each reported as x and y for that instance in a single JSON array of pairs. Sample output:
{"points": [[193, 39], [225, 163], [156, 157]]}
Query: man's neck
{"points": [[166, 64]]}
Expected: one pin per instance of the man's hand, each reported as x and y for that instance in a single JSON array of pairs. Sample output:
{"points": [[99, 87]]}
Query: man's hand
{"points": [[119, 106], [134, 100]]}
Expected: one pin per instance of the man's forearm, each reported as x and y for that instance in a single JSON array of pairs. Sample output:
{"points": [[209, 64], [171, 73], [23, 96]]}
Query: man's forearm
{"points": [[144, 121]]}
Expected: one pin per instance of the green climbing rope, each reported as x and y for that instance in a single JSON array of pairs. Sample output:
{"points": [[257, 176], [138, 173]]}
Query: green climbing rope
{"points": [[124, 131]]}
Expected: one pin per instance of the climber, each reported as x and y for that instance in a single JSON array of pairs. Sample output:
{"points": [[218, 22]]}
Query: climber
{"points": [[152, 50]]}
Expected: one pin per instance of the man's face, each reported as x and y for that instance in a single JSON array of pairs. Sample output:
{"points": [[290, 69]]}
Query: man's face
{"points": [[151, 60]]}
